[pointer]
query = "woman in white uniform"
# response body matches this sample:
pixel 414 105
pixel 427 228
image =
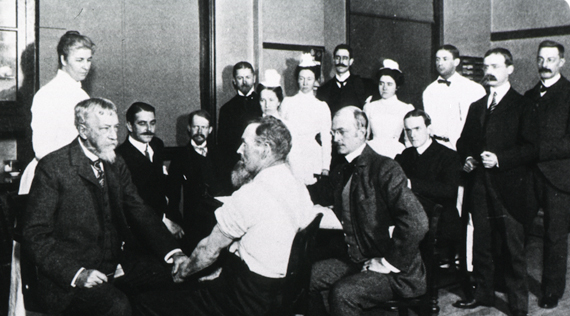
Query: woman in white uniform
pixel 309 120
pixel 53 108
pixel 386 116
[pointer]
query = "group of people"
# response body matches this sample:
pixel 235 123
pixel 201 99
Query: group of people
pixel 109 226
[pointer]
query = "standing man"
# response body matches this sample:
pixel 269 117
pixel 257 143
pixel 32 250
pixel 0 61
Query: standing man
pixel 236 113
pixel 258 223
pixel 143 154
pixel 196 170
pixel 383 224
pixel 346 88
pixel 551 96
pixel 82 205
pixel 433 171
pixel 448 98
pixel 497 147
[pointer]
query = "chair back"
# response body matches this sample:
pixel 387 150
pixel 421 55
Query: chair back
pixel 298 275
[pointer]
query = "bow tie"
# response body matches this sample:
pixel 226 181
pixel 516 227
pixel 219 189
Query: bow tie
pixel 543 88
pixel 447 82
pixel 340 83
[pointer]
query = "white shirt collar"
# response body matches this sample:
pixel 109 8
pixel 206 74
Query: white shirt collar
pixel 203 146
pixel 549 82
pixel 246 95
pixel 141 146
pixel 343 76
pixel 425 146
pixel 452 78
pixel 501 91
pixel 351 156
pixel 87 152
pixel 67 78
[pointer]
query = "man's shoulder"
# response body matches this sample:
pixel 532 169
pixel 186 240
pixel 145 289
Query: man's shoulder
pixel 157 144
pixel 229 104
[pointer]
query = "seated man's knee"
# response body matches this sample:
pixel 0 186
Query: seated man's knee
pixel 120 306
pixel 342 294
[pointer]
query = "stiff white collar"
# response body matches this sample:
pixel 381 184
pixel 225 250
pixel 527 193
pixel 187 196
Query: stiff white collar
pixel 357 152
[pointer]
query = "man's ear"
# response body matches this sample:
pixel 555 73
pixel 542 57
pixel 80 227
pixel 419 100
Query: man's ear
pixel 82 131
pixel 62 59
pixel 210 131
pixel 130 127
pixel 350 62
pixel 456 62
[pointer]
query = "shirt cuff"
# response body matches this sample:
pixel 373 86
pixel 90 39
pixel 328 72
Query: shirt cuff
pixel 168 257
pixel 390 267
pixel 76 276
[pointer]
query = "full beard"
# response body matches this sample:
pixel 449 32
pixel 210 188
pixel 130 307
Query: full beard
pixel 107 155
pixel 240 175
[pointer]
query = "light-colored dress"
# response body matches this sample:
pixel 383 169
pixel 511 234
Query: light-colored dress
pixel 386 117
pixel 53 120
pixel 307 117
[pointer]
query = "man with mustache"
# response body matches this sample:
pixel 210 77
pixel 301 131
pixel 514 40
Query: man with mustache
pixel 143 154
pixel 497 146
pixel 448 98
pixel 196 170
pixel 81 207
pixel 346 88
pixel 551 97
pixel 236 113
pixel 257 224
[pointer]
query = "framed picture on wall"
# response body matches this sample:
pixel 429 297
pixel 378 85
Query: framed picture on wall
pixel 285 58
pixel 8 65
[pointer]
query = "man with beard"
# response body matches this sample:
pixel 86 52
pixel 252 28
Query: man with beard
pixel 143 154
pixel 82 205
pixel 551 96
pixel 196 169
pixel 236 114
pixel 346 88
pixel 258 223
pixel 497 147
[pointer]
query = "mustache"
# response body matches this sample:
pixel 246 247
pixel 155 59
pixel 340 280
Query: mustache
pixel 488 78
pixel 340 64
pixel 148 133
pixel 544 70
pixel 199 135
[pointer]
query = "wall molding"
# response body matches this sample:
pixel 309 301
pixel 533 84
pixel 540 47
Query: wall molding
pixel 530 33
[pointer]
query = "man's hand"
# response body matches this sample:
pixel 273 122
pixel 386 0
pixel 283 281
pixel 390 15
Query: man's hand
pixel 470 164
pixel 211 276
pixel 174 228
pixel 375 265
pixel 90 278
pixel 180 263
pixel 490 160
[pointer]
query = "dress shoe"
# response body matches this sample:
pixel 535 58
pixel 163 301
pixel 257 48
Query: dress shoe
pixel 469 304
pixel 548 301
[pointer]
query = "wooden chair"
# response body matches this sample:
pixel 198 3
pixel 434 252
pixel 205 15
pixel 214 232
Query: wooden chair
pixel 426 304
pixel 298 275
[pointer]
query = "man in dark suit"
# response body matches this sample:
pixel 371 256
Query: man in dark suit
pixel 433 172
pixel 143 154
pixel 82 205
pixel 551 96
pixel 236 113
pixel 497 145
pixel 196 169
pixel 383 224
pixel 346 88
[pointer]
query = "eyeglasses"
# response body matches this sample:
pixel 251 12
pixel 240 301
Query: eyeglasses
pixel 199 128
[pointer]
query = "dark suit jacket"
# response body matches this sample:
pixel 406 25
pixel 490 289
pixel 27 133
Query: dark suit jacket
pixel 510 133
pixel 233 119
pixel 355 92
pixel 199 177
pixel 380 198
pixel 553 114
pixel 148 176
pixel 62 224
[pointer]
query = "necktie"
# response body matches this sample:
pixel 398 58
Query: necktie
pixel 543 88
pixel 348 169
pixel 98 165
pixel 493 103
pixel 340 83
pixel 443 81
pixel 201 151
pixel 147 154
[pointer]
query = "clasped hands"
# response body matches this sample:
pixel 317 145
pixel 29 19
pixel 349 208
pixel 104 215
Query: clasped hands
pixel 375 264
pixel 488 159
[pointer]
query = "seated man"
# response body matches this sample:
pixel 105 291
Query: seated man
pixel 82 206
pixel 197 170
pixel 433 171
pixel 383 224
pixel 143 154
pixel 258 223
